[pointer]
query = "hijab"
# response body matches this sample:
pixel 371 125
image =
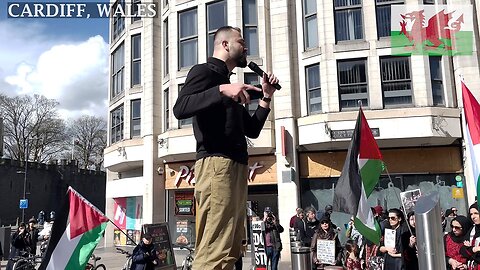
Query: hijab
pixel 476 227
pixel 466 225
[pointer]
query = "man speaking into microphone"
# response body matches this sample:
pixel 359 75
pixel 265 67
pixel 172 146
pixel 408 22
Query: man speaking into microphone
pixel 220 124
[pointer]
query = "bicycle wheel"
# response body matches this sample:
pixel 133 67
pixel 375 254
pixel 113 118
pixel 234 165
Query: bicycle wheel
pixel 187 264
pixel 21 264
pixel 101 267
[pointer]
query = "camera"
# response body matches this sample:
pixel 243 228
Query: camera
pixel 270 217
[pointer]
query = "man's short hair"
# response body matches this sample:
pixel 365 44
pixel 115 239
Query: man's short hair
pixel 310 209
pixel 225 29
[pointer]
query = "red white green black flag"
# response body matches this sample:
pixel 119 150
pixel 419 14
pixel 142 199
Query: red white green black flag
pixel 75 234
pixel 360 175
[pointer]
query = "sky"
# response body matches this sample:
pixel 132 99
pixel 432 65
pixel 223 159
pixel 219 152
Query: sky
pixel 65 59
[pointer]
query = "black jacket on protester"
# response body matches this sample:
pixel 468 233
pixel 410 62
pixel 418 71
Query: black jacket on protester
pixel 274 229
pixel 143 257
pixel 219 123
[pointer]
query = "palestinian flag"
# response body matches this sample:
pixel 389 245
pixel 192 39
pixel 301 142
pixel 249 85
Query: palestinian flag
pixel 75 234
pixel 471 110
pixel 360 174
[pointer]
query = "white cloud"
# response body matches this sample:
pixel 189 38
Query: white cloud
pixel 75 74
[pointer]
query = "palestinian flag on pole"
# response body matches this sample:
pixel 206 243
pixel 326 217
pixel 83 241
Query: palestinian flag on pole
pixel 75 234
pixel 471 110
pixel 359 177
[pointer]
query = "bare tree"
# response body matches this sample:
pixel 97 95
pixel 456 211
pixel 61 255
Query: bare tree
pixel 32 122
pixel 89 137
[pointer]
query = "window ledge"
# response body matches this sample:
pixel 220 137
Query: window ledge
pixel 312 52
pixel 118 39
pixel 117 98
pixel 136 24
pixel 183 72
pixel 384 42
pixel 136 89
pixel 351 45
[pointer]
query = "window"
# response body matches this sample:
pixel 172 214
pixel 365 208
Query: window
pixel 310 24
pixel 250 26
pixel 188 24
pixel 437 80
pixel 216 18
pixel 135 11
pixel 183 122
pixel 429 2
pixel 166 47
pixel 396 81
pixel 136 60
pixel 118 20
pixel 312 74
pixel 118 65
pixel 166 109
pixel 384 9
pixel 252 79
pixel 352 83
pixel 117 124
pixel 165 3
pixel 348 20
pixel 135 120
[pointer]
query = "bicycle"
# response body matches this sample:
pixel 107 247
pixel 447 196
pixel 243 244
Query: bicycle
pixel 128 255
pixel 188 261
pixel 26 261
pixel 94 266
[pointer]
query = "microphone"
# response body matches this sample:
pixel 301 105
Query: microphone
pixel 255 68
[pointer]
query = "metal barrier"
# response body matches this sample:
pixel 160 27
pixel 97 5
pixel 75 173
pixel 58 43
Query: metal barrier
pixel 431 253
pixel 301 258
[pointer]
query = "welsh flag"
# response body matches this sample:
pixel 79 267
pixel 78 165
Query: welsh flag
pixel 360 175
pixel 432 29
pixel 471 111
pixel 75 234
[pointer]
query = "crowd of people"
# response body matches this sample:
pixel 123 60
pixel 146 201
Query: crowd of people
pixel 461 239
pixel 25 239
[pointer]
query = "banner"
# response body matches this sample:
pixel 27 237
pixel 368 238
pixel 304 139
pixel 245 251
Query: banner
pixel 128 213
pixel 326 251
pixel 259 245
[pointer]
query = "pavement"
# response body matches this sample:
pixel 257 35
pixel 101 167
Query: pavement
pixel 113 260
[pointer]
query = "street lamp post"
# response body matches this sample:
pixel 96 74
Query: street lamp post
pixel 25 179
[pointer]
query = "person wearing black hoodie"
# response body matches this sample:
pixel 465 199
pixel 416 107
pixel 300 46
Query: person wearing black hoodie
pixel 471 247
pixel 410 243
pixel 453 242
pixel 144 254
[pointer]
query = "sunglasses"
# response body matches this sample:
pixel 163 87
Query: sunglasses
pixel 457 227
pixel 393 218
pixel 324 222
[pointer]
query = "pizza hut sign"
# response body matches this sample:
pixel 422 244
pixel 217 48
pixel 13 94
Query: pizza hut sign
pixel 187 174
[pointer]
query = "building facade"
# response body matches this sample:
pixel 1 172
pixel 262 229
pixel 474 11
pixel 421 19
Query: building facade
pixel 328 55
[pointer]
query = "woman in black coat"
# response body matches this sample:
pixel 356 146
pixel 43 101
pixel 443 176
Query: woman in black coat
pixel 144 255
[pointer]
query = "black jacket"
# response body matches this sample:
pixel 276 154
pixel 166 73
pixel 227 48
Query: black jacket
pixel 143 257
pixel 274 229
pixel 219 123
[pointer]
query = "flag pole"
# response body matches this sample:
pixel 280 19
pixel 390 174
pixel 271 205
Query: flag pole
pixel 128 237
pixel 399 200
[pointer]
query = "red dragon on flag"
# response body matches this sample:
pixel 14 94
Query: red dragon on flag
pixel 439 28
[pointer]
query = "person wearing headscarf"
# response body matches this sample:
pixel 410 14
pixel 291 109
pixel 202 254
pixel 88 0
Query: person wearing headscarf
pixel 471 247
pixel 409 241
pixel 324 231
pixel 453 242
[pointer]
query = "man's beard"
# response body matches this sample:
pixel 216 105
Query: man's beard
pixel 241 61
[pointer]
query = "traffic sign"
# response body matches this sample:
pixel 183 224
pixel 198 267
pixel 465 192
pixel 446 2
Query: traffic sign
pixel 23 203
